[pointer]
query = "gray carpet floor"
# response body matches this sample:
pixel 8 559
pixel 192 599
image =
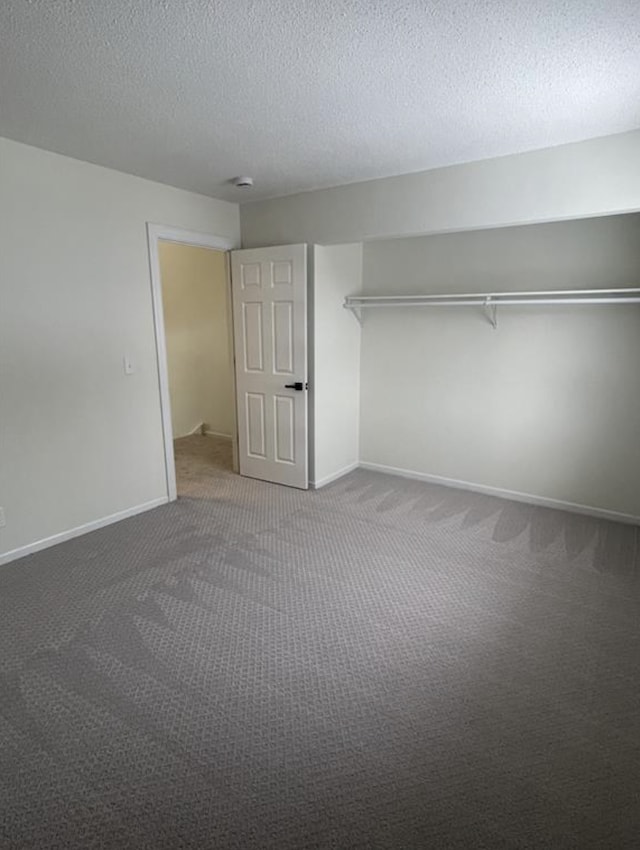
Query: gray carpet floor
pixel 379 664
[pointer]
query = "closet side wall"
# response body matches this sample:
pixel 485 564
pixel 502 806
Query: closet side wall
pixel 335 380
pixel 547 405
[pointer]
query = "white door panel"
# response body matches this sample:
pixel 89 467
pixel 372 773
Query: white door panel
pixel 269 288
pixel 252 324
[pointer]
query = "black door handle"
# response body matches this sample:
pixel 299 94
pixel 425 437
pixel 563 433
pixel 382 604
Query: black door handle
pixel 298 386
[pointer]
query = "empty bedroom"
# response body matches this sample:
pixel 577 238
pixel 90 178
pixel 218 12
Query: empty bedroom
pixel 319 419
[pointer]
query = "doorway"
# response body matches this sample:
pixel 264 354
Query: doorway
pixel 192 311
pixel 266 330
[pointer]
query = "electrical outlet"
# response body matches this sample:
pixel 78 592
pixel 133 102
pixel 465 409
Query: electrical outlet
pixel 3 521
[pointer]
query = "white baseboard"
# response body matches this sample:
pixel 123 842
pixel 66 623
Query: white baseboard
pixel 328 479
pixel 46 542
pixel 207 432
pixel 513 495
pixel 218 434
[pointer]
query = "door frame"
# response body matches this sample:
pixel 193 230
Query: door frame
pixel 157 233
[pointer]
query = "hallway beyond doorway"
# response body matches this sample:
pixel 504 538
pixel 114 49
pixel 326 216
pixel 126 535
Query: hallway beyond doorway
pixel 201 461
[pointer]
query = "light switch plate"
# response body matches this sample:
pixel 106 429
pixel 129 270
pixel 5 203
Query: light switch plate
pixel 127 364
pixel 3 522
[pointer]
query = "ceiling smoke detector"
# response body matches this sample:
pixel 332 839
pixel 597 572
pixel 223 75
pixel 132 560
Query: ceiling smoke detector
pixel 242 182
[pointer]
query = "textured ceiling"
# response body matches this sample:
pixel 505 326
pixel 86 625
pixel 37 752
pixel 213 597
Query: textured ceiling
pixel 315 92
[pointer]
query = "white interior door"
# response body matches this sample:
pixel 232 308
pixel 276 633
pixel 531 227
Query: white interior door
pixel 269 287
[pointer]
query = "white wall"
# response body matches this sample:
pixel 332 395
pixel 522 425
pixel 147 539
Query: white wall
pixel 549 404
pixel 335 341
pixel 79 440
pixel 196 320
pixel 597 177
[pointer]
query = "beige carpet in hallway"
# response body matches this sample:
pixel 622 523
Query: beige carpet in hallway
pixel 201 461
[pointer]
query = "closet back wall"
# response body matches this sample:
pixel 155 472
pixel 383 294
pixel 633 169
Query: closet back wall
pixel 547 405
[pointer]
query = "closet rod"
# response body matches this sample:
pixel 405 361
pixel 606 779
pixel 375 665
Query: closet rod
pixel 566 296
pixel 490 301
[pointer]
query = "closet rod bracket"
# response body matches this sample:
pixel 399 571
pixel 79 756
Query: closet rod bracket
pixel 355 311
pixel 491 312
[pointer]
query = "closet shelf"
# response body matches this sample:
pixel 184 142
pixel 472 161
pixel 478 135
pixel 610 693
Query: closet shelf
pixel 490 301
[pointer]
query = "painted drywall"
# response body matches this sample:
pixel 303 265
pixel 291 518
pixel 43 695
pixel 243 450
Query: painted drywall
pixel 592 178
pixel 79 439
pixel 546 405
pixel 335 339
pixel 196 321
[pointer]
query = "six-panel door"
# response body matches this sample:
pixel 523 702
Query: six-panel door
pixel 269 287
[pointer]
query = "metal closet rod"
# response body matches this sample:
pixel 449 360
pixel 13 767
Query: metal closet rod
pixel 566 296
